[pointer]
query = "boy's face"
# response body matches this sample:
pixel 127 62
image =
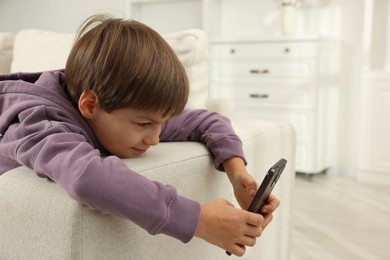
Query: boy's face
pixel 126 132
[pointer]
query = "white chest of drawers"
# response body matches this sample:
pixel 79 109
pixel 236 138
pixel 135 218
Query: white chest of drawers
pixel 291 80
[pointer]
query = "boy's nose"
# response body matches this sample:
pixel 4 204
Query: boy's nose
pixel 152 139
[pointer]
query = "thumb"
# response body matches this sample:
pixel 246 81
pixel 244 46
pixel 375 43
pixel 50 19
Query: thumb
pixel 251 191
pixel 250 185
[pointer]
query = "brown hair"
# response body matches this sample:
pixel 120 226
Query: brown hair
pixel 127 64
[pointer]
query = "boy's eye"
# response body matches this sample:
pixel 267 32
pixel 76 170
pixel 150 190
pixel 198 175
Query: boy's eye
pixel 143 124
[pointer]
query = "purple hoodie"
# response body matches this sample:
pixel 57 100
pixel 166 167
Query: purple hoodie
pixel 41 128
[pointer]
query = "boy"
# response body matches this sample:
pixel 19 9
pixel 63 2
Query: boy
pixel 122 91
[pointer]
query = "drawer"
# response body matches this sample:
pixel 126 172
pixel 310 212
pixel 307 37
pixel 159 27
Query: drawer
pixel 289 98
pixel 258 70
pixel 263 50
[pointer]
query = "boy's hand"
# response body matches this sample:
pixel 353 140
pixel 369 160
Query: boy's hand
pixel 244 185
pixel 233 229
pixel 245 188
pixel 229 228
pixel 268 209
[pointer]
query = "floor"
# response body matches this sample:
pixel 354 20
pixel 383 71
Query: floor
pixel 337 217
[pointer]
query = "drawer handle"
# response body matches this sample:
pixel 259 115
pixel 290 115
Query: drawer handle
pixel 260 96
pixel 257 71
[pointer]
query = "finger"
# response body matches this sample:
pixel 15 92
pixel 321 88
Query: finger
pixel 250 188
pixel 251 191
pixel 254 219
pixel 274 201
pixel 267 219
pixel 272 204
pixel 253 232
pixel 237 249
pixel 249 182
pixel 248 241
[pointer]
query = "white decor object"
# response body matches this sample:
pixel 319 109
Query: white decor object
pixel 289 13
pixel 289 20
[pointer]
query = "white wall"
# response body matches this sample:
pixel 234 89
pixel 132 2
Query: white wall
pixel 378 58
pixel 166 17
pixel 55 15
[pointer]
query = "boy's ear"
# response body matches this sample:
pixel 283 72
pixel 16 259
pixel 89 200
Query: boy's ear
pixel 88 104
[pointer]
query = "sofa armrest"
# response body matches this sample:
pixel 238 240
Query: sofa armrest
pixel 40 221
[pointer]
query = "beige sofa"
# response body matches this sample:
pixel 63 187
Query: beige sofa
pixel 39 221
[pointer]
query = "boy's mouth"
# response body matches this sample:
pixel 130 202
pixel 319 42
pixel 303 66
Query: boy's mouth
pixel 139 151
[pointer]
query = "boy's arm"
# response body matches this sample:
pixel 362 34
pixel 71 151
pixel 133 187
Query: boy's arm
pixel 105 184
pixel 244 185
pixel 216 132
pixel 212 129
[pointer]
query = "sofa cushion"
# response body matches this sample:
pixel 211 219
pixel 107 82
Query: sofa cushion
pixel 36 50
pixel 191 46
pixel 6 45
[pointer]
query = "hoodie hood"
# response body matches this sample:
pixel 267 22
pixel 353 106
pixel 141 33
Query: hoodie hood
pixel 29 96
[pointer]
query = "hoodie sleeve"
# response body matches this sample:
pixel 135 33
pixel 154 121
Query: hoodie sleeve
pixel 212 129
pixel 51 149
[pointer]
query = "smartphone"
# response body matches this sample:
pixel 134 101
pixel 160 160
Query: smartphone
pixel 266 186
